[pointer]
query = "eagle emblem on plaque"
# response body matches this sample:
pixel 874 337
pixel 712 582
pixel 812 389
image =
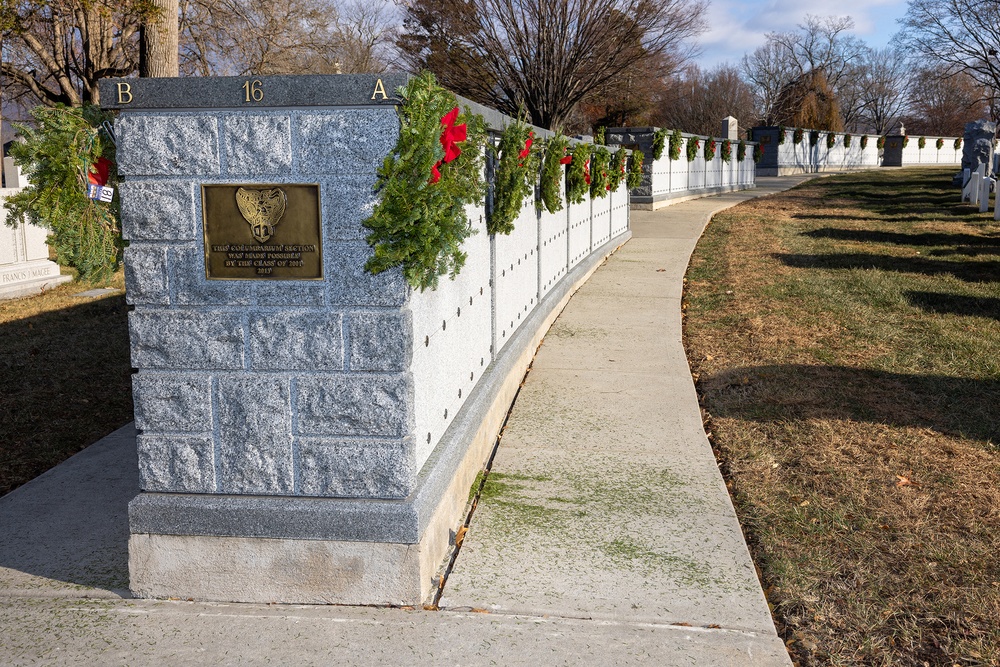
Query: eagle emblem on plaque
pixel 262 210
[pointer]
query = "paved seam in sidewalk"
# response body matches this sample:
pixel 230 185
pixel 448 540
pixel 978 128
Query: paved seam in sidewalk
pixel 604 535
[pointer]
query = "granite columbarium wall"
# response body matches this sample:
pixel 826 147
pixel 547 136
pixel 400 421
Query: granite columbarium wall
pixel 312 438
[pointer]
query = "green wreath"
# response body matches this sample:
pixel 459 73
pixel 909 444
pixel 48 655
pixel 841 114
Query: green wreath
pixel 709 149
pixel 741 151
pixel 600 162
pixel 781 134
pixel 921 142
pixel 675 144
pixel 864 141
pixel 578 176
pixel 831 140
pixel 553 174
pixel 847 141
pixel 659 141
pixel 797 135
pixel 419 225
pixel 616 172
pixel 634 177
pixel 958 143
pixel 758 153
pixel 692 148
pixel 515 177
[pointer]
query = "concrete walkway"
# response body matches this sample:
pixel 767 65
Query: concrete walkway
pixel 605 534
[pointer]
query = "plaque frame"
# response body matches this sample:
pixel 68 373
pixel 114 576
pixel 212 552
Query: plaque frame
pixel 230 228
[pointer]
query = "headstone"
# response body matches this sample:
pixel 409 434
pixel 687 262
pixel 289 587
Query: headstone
pixel 25 268
pixel 971 192
pixel 730 128
pixel 985 186
pixel 977 145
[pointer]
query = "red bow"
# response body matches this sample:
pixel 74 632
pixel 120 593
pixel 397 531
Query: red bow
pixel 450 136
pixel 527 146
pixel 566 159
pixel 586 171
pixel 98 174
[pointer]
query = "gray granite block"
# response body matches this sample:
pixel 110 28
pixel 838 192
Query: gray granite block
pixel 380 341
pixel 192 288
pixel 296 340
pixel 172 402
pixel 258 144
pixel 347 201
pixel 255 435
pixel 146 274
pixel 352 285
pixel 346 141
pixel 182 339
pixel 179 464
pixel 162 210
pixel 364 405
pixel 167 145
pixel 288 293
pixel 356 469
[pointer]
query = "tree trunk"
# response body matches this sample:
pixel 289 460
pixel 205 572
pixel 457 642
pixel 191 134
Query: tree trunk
pixel 158 41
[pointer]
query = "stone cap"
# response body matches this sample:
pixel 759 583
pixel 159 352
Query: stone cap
pixel 253 92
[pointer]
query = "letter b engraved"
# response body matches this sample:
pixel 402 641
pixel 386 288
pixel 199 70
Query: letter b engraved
pixel 124 93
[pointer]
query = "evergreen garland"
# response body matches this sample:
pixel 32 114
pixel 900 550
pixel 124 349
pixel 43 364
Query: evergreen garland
pixel 553 174
pixel 727 150
pixel 599 136
pixel 634 177
pixel 578 176
pixel 781 134
pixel 864 141
pixel 599 165
pixel 847 141
pixel 419 225
pixel 659 141
pixel 616 172
pixel 921 142
pixel 514 177
pixel 798 135
pixel 56 156
pixel 831 140
pixel 939 143
pixel 692 148
pixel 758 153
pixel 709 149
pixel 741 151
pixel 958 143
pixel 880 143
pixel 675 144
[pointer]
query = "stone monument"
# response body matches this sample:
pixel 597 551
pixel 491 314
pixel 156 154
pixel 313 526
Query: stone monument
pixel 977 145
pixel 730 129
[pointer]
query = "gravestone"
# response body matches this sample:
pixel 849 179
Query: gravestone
pixel 977 145
pixel 25 268
pixel 730 129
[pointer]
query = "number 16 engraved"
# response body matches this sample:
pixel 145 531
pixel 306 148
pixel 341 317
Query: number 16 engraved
pixel 254 91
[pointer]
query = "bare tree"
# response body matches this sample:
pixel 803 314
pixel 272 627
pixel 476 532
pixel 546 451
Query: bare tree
pixel 883 79
pixel 239 37
pixel 819 44
pixel 960 36
pixel 698 100
pixel 56 51
pixel 942 103
pixel 542 56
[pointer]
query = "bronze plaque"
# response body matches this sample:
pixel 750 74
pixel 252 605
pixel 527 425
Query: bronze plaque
pixel 262 232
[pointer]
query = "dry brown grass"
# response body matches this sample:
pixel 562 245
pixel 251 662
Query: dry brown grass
pixel 845 340
pixel 64 378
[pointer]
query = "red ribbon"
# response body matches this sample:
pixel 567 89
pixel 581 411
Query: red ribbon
pixel 98 174
pixel 586 171
pixel 450 136
pixel 527 146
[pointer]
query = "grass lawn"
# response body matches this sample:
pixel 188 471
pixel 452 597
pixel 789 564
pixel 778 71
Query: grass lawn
pixel 65 378
pixel 845 338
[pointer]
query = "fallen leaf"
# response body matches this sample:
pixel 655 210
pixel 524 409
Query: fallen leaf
pixel 660 270
pixel 480 611
pixel 905 481
pixel 460 536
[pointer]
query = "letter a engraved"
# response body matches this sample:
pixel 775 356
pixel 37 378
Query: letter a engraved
pixel 379 90
pixel 124 93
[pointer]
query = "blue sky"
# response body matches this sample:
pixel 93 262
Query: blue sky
pixel 739 26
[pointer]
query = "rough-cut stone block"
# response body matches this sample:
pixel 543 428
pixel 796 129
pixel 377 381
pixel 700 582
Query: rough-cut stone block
pixel 161 210
pixel 167 145
pixel 257 144
pixel 356 469
pixel 180 339
pixel 255 435
pixel 296 340
pixel 178 464
pixel 347 201
pixel 288 293
pixel 347 141
pixel 172 402
pixel 380 341
pixel 366 405
pixel 352 285
pixel 146 275
pixel 192 288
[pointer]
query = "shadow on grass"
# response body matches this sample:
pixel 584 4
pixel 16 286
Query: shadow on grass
pixel 953 406
pixel 976 272
pixel 953 304
pixel 923 239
